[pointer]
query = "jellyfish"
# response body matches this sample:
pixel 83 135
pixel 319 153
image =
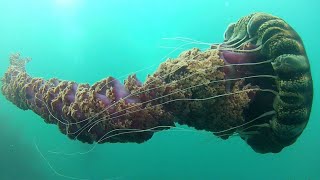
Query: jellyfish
pixel 255 84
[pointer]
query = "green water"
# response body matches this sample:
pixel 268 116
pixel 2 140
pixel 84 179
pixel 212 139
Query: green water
pixel 86 41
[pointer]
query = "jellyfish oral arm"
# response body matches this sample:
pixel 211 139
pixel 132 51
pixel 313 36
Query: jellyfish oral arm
pixel 237 57
pixel 172 94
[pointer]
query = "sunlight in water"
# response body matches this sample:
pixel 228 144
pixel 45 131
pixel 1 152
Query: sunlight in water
pixel 66 3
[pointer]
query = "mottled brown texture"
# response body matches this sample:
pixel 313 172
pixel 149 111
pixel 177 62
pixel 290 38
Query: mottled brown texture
pixel 47 97
pixel 176 92
pixel 203 71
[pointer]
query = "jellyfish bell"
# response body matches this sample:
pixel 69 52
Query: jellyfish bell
pixel 264 38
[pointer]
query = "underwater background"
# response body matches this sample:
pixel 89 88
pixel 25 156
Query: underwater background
pixel 86 41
